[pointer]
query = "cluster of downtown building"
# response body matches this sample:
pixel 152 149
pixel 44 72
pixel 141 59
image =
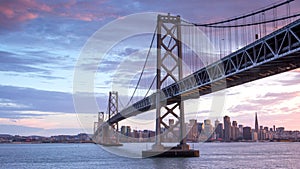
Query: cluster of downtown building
pixel 205 132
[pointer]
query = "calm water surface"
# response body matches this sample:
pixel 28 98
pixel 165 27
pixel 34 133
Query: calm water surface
pixel 212 155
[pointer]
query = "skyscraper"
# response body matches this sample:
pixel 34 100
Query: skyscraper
pixel 256 123
pixel 208 128
pixel 247 135
pixel 216 123
pixel 219 131
pixel 240 132
pixel 192 130
pixel 227 128
pixel 234 130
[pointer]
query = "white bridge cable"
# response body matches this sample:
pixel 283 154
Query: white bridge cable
pixel 140 77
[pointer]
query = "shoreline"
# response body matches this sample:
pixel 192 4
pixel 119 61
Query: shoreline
pixel 86 142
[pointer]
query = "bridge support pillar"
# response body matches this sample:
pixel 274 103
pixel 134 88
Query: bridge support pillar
pixel 169 47
pixel 108 135
pixel 110 132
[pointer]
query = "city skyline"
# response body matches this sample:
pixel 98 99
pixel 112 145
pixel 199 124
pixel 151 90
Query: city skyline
pixel 220 122
pixel 125 131
pixel 204 131
pixel 41 42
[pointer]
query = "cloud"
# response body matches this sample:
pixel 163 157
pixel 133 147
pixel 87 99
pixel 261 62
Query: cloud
pixel 275 107
pixel 13 115
pixel 15 63
pixel 93 10
pixel 42 62
pixel 18 11
pixel 295 79
pixel 14 13
pixel 28 99
pixel 28 131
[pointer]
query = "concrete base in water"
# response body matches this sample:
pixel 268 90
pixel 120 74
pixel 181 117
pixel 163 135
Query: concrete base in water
pixel 171 152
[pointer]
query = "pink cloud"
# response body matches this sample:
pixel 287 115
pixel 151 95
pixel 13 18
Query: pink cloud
pixel 9 13
pixel 84 11
pixel 15 12
pixel 83 17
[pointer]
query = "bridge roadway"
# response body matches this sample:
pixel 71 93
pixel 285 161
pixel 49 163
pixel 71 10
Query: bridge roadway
pixel 273 54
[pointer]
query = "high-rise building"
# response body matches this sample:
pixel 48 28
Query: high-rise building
pixel 260 134
pixel 256 123
pixel 247 135
pixel 216 123
pixel 200 127
pixel 126 131
pixel 234 130
pixel 219 131
pixel 266 128
pixel 123 130
pixel 192 130
pixel 254 136
pixel 240 131
pixel 227 128
pixel 208 128
pixel 280 129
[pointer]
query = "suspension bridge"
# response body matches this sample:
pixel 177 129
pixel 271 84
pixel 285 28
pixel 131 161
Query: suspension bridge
pixel 238 50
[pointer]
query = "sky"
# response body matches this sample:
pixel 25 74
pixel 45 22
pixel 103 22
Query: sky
pixel 43 43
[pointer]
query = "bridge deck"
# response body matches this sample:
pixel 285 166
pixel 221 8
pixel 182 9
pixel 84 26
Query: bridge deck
pixel 275 53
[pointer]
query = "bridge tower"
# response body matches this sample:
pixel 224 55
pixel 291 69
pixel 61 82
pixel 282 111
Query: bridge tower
pixel 113 107
pixel 99 122
pixel 169 47
pixel 108 135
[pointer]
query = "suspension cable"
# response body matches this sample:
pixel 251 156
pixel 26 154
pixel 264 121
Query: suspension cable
pixel 143 67
pixel 150 86
pixel 153 80
pixel 121 103
pixel 244 16
pixel 243 25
